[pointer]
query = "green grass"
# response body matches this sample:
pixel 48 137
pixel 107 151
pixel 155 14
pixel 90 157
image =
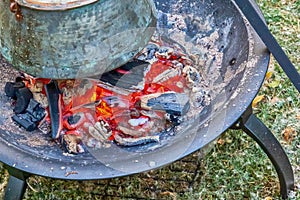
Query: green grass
pixel 236 167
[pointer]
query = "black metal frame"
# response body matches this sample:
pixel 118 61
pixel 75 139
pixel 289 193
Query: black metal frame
pixel 258 131
pixel 17 184
pixel 248 122
pixel 258 24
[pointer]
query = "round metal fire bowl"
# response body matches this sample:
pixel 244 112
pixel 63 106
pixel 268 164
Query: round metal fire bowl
pixel 73 40
pixel 234 84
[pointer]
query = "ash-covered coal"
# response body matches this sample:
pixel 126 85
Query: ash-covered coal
pixel 170 102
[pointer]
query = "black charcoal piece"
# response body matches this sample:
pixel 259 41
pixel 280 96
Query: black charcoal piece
pixel 53 92
pixel 127 76
pixel 35 109
pixel 25 120
pixel 172 103
pixel 29 119
pixel 73 119
pixel 12 87
pixel 10 90
pixel 32 106
pixel 176 120
pixel 19 79
pixel 23 96
pixel 123 141
pixel 113 101
pixel 19 84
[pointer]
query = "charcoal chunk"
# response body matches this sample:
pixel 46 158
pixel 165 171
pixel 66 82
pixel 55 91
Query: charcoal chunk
pixel 30 118
pixel 175 120
pixel 127 76
pixel 128 141
pixel 35 109
pixel 19 79
pixel 73 119
pixel 23 96
pixel 172 103
pixel 53 96
pixel 25 120
pixel 11 88
pixel 32 106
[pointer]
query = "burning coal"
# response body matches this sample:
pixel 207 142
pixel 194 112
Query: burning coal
pixel 128 106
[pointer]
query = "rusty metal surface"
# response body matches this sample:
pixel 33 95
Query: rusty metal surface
pixel 76 43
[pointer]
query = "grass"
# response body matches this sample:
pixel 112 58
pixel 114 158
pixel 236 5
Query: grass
pixel 236 167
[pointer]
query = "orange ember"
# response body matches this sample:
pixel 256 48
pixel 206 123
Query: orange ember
pixel 91 102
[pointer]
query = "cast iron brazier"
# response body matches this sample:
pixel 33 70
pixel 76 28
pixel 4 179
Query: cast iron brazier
pixel 234 81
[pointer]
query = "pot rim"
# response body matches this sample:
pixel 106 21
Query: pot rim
pixel 52 5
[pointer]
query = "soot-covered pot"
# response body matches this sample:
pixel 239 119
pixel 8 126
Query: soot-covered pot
pixel 65 39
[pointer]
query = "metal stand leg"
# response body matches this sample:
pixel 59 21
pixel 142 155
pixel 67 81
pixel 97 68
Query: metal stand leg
pixel 17 185
pixel 264 137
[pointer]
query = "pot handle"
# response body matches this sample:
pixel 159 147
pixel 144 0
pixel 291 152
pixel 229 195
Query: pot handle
pixel 15 8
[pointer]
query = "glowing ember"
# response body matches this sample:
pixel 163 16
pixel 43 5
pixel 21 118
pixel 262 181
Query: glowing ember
pixel 130 105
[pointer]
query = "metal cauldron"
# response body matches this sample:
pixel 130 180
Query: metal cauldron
pixel 74 38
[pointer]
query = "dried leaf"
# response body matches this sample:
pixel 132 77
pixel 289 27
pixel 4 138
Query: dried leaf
pixel 229 141
pixel 170 194
pixel 257 100
pixel 221 142
pixel 70 173
pixel 289 134
pixel 268 198
pixel 274 84
pixel 269 75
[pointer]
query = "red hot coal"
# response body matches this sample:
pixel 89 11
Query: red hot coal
pixel 129 106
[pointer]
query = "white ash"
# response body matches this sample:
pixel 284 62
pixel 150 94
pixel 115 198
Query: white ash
pixel 128 141
pixel 96 144
pixel 170 73
pixel 93 143
pixel 44 127
pixel 192 76
pixel 149 113
pixel 137 121
pixel 149 128
pixel 202 47
pixel 73 144
pixel 100 131
pixel 98 135
pixel 127 130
